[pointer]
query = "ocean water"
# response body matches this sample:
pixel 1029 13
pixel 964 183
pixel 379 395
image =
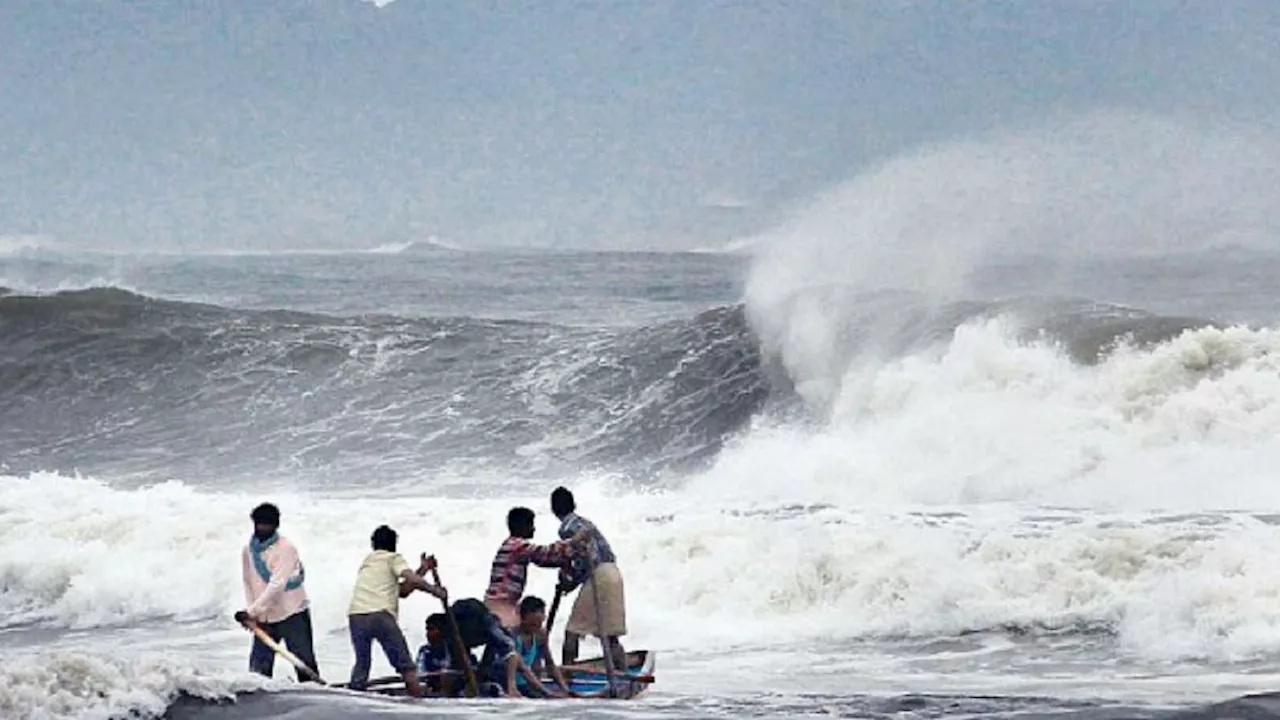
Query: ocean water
pixel 1049 491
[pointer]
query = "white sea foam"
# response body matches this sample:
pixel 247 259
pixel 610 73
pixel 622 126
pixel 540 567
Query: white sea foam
pixel 844 528
pixel 981 484
pixel 97 685
pixel 1108 184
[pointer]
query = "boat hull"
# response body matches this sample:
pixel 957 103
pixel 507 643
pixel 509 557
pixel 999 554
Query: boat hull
pixel 590 679
pixel 587 678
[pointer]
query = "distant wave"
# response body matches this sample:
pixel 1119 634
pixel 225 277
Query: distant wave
pixel 38 245
pixel 25 244
pixel 110 378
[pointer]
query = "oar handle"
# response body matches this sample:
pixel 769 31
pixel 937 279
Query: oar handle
pixel 555 605
pixel 280 650
pixel 459 647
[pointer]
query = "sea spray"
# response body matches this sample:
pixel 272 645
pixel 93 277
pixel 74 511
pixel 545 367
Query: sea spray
pixel 927 222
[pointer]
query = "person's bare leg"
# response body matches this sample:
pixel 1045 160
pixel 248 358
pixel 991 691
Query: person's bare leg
pixel 569 653
pixel 411 683
pixel 619 654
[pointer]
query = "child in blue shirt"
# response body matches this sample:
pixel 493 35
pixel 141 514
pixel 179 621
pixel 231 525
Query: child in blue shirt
pixel 435 661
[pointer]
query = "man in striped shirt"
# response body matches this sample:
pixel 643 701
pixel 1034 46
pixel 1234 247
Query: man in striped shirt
pixel 511 564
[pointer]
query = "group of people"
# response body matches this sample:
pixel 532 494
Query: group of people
pixel 510 626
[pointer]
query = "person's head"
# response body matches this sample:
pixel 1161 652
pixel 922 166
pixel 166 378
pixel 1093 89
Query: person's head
pixel 562 502
pixel 533 613
pixel 384 538
pixel 435 629
pixel 266 520
pixel 520 522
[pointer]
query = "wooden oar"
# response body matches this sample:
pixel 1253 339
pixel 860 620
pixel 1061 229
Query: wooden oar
pixel 459 647
pixel 280 650
pixel 399 679
pixel 379 681
pixel 551 616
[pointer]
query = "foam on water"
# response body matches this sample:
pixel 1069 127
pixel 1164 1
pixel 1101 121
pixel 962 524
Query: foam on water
pixel 1189 424
pixel 983 485
pixel 98 686
pixel 1110 184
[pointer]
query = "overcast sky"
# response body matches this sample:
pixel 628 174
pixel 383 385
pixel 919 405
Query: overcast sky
pixel 308 123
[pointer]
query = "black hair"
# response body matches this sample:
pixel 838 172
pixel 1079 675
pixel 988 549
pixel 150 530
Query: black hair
pixel 532 604
pixel 519 518
pixel 265 514
pixel 562 502
pixel 438 621
pixel 384 538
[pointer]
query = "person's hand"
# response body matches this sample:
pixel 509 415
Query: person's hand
pixel 429 562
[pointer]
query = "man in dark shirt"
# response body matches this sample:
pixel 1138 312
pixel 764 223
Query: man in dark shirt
pixel 595 570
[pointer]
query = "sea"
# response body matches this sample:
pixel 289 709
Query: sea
pixel 1048 489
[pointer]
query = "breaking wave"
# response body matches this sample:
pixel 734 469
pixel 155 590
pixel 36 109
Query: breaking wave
pixel 1076 477
pixel 106 378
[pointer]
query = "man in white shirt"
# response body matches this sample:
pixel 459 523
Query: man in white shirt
pixel 274 594
pixel 384 577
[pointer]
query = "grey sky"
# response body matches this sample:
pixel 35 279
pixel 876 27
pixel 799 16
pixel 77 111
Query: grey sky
pixel 308 123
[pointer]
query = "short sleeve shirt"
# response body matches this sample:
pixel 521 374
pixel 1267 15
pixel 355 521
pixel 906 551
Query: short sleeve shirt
pixel 378 584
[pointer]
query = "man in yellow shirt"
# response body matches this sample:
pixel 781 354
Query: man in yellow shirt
pixel 383 579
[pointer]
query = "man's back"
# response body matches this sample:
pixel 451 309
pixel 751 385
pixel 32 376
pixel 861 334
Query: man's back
pixel 377 585
pixel 280 594
pixel 598 550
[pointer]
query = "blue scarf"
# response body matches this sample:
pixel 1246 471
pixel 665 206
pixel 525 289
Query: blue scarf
pixel 256 547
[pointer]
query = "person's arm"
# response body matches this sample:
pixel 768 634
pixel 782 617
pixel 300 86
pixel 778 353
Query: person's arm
pixel 555 555
pixel 410 580
pixel 242 616
pixel 246 567
pixel 573 573
pixel 282 565
pixel 531 677
pixel 552 668
pixel 426 564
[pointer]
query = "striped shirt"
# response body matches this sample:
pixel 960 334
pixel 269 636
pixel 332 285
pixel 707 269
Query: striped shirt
pixel 510 566
pixel 598 549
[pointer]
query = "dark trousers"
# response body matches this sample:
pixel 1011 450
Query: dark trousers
pixel 295 632
pixel 383 627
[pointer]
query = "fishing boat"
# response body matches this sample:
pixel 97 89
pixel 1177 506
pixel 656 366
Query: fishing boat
pixel 587 678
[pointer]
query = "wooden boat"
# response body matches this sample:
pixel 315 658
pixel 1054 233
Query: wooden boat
pixel 587 678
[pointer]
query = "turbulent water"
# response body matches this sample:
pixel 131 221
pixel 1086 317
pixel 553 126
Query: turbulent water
pixel 1052 493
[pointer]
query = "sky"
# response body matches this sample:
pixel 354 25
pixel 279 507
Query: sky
pixel 189 124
